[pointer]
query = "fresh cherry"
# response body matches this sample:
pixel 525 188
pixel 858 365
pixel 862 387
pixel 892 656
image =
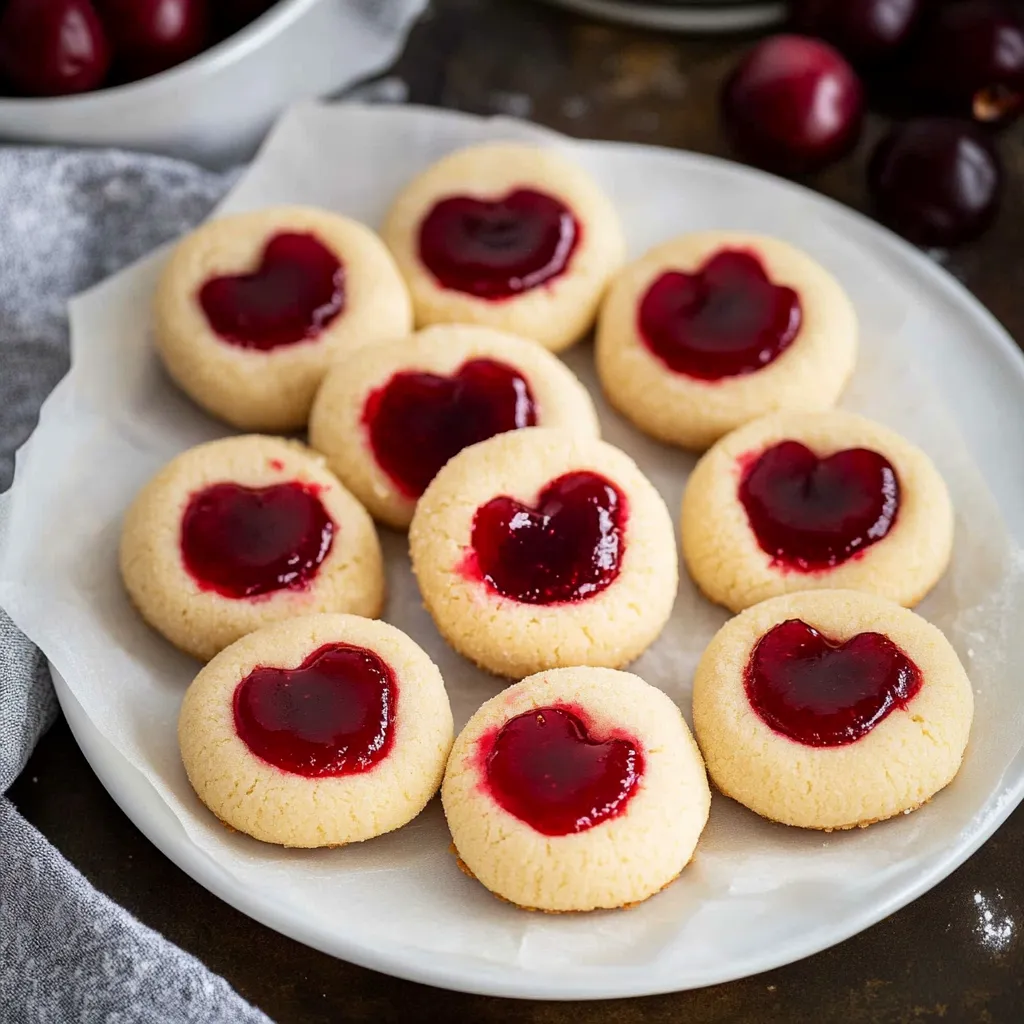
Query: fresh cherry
pixel 971 60
pixel 52 47
pixel 150 36
pixel 865 30
pixel 793 105
pixel 936 181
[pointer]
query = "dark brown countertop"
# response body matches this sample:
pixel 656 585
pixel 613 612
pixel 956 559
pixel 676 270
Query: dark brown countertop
pixel 954 955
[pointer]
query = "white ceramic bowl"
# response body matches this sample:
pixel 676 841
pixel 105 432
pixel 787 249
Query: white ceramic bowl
pixel 214 108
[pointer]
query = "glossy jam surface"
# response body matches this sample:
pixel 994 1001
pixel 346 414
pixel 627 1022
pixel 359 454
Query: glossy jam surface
pixel 295 292
pixel 546 769
pixel 498 248
pixel 245 542
pixel 333 715
pixel 567 547
pixel 418 421
pixel 826 694
pixel 724 320
pixel 813 513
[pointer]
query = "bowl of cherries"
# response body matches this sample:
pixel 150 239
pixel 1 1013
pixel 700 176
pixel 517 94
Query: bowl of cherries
pixel 949 74
pixel 201 79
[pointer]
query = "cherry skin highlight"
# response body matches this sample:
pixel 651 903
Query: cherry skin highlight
pixel 243 542
pixel 296 291
pixel 812 513
pixel 498 248
pixel 826 694
pixel 567 547
pixel 725 319
pixel 417 421
pixel 546 769
pixel 332 716
pixel 150 36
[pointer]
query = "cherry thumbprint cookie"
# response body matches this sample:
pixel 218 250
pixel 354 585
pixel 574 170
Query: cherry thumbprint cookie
pixel 713 329
pixel 393 414
pixel 235 534
pixel 576 789
pixel 815 500
pixel 319 731
pixel 829 709
pixel 252 309
pixel 541 549
pixel 510 236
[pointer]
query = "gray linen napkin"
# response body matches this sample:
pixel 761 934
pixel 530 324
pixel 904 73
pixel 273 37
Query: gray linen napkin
pixel 67 953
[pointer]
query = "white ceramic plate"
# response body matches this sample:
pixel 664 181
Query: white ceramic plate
pixel 758 895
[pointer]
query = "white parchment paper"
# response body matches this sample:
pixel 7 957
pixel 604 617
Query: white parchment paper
pixel 755 889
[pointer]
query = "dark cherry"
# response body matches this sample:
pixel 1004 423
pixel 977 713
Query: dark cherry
pixel 566 548
pixel 295 292
pixel 244 541
pixel 150 36
pixel 865 30
pixel 418 421
pixel 52 47
pixel 725 319
pixel 812 513
pixel 793 105
pixel 826 694
pixel 546 769
pixel 971 60
pixel 231 15
pixel 936 181
pixel 497 248
pixel 333 715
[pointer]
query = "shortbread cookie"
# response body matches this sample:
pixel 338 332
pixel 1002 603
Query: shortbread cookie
pixel 540 549
pixel 235 534
pixel 831 708
pixel 797 501
pixel 576 789
pixel 717 328
pixel 251 310
pixel 389 417
pixel 510 236
pixel 320 731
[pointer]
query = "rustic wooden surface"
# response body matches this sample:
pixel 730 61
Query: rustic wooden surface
pixel 953 955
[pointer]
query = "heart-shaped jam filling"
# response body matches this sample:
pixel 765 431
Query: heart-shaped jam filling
pixel 333 715
pixel 566 548
pixel 246 541
pixel 812 513
pixel 546 769
pixel 418 421
pixel 826 694
pixel 497 248
pixel 295 292
pixel 725 319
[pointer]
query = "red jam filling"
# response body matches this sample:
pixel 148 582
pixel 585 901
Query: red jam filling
pixel 723 320
pixel 247 541
pixel 418 421
pixel 826 694
pixel 333 715
pixel 546 769
pixel 568 547
pixel 812 513
pixel 497 248
pixel 295 292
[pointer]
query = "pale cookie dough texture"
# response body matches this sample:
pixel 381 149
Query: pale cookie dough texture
pixel 337 427
pixel 901 763
pixel 617 862
pixel 556 313
pixel 202 622
pixel 511 638
pixel 271 390
pixel 278 806
pixel 808 375
pixel 725 560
